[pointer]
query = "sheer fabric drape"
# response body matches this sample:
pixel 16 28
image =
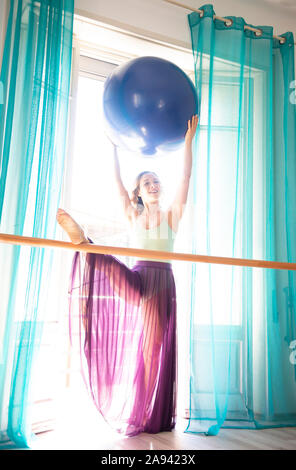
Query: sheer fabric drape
pixel 243 320
pixel 35 76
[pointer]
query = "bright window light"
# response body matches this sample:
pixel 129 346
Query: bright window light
pixel 90 195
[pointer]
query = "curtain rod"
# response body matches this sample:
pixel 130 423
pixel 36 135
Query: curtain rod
pixel 227 21
pixel 138 253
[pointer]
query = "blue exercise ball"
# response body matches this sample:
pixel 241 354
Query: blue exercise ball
pixel 147 103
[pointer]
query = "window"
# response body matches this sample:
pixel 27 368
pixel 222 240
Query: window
pixel 90 195
pixel 222 308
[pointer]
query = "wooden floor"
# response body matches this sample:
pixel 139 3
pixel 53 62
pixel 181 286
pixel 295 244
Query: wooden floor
pixel 82 427
pixel 227 439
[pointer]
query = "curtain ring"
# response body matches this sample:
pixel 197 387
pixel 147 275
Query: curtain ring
pixel 228 22
pixel 258 33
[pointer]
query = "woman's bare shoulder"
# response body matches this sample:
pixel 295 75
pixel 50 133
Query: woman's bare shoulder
pixel 172 220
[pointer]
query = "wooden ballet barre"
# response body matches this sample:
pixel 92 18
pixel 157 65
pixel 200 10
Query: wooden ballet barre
pixel 138 253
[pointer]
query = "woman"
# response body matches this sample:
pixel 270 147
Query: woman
pixel 129 315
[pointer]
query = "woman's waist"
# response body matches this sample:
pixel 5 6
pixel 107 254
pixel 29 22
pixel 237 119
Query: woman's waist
pixel 158 244
pixel 148 263
pixel 155 248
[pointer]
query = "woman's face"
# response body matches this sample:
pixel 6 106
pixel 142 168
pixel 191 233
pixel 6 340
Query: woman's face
pixel 150 188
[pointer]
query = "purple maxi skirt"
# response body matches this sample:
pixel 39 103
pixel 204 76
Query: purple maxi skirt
pixel 128 340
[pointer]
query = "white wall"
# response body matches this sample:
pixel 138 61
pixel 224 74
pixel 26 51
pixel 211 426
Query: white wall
pixel 4 10
pixel 169 22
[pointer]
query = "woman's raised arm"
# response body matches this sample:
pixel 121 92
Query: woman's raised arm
pixel 129 210
pixel 177 208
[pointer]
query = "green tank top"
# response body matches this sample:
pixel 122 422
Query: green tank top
pixel 160 238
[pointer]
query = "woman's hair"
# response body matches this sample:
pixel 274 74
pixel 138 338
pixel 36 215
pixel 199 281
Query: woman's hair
pixel 136 199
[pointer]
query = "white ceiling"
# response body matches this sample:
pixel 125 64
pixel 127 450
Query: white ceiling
pixel 288 5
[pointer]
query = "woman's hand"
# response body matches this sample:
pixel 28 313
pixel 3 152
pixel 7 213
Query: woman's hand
pixel 114 147
pixel 111 141
pixel 192 125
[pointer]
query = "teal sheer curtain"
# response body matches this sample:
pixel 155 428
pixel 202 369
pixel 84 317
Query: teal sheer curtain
pixel 243 320
pixel 35 79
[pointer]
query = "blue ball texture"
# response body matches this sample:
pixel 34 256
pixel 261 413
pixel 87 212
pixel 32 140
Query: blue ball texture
pixel 147 103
